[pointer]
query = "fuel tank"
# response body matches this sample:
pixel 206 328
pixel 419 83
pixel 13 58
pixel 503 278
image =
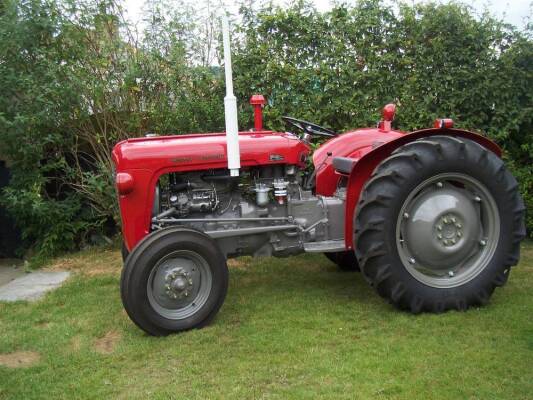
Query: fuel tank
pixel 353 144
pixel 208 151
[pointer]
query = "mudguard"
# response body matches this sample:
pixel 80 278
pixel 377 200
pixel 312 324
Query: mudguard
pixel 364 167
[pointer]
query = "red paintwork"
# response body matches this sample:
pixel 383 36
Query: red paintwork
pixel 354 144
pixel 443 123
pixel 124 182
pixel 140 162
pixel 366 165
pixel 258 102
pixel 388 112
pixel 146 159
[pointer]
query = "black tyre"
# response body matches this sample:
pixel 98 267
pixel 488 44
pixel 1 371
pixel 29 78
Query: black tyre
pixel 124 252
pixel 439 225
pixel 345 260
pixel 175 279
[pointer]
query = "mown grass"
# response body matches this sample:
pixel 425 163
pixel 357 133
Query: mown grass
pixel 289 329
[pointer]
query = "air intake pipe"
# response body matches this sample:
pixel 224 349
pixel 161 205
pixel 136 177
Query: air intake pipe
pixel 230 107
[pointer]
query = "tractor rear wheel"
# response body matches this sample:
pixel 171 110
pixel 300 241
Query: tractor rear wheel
pixel 439 225
pixel 175 279
pixel 345 260
pixel 124 252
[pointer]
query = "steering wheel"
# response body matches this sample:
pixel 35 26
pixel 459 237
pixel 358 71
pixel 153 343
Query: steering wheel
pixel 309 128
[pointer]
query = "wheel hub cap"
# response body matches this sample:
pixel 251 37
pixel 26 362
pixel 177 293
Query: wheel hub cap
pixel 449 229
pixel 179 284
pixel 443 228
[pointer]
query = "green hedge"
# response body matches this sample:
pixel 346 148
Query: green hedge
pixel 75 80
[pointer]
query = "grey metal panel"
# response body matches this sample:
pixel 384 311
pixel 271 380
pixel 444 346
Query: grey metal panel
pixel 325 246
pixel 248 231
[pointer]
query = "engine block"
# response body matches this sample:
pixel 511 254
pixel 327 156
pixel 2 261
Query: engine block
pixel 266 211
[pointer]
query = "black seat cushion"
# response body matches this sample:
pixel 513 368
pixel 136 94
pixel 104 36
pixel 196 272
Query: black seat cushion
pixel 344 164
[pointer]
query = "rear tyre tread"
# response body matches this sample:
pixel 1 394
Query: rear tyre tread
pixel 376 258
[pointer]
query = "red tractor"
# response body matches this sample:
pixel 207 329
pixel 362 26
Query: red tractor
pixel 432 218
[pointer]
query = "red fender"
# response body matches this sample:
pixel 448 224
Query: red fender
pixel 363 169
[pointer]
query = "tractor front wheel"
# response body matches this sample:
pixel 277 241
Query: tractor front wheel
pixel 439 225
pixel 175 279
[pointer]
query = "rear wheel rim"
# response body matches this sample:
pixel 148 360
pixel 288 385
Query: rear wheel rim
pixel 179 284
pixel 447 230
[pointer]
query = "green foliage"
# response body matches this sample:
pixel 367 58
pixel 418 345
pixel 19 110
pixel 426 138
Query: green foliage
pixel 76 79
pixel 432 60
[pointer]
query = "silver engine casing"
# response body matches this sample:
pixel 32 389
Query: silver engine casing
pixel 264 216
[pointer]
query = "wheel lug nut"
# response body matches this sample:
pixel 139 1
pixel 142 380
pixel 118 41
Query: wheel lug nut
pixel 445 220
pixel 439 236
pixel 459 234
pixel 453 241
pixel 454 220
pixel 405 215
pixel 451 274
pixel 458 226
pixel 439 184
pixel 439 227
pixel 477 199
pixel 483 242
pixel 412 261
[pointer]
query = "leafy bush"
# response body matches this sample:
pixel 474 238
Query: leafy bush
pixel 77 78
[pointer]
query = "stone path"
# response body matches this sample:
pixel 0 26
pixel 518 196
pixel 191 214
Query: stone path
pixel 16 284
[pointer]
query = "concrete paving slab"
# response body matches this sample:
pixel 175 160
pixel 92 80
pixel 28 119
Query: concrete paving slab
pixel 32 286
pixel 10 269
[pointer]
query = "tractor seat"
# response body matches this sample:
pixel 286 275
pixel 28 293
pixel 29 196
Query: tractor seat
pixel 344 165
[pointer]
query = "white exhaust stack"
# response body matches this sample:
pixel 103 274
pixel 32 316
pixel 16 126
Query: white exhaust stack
pixel 230 107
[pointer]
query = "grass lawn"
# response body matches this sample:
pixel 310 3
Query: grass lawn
pixel 290 328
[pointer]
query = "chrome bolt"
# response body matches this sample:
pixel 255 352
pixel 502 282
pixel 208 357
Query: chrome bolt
pixel 186 294
pixel 483 242
pixel 439 184
pixel 405 215
pixel 412 261
pixel 458 226
pixel 451 274
pixel 439 227
pixel 439 236
pixel 454 220
pixel 477 199
pixel 453 241
pixel 446 242
pixel 445 220
pixel 459 234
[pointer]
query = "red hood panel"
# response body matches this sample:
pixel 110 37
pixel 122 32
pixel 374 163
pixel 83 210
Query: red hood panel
pixel 207 151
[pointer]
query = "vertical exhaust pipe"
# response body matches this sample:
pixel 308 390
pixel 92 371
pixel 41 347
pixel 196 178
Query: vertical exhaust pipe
pixel 230 107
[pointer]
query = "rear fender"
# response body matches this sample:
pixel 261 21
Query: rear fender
pixel 363 169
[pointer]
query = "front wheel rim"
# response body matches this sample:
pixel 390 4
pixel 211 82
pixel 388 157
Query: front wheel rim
pixel 447 230
pixel 179 284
